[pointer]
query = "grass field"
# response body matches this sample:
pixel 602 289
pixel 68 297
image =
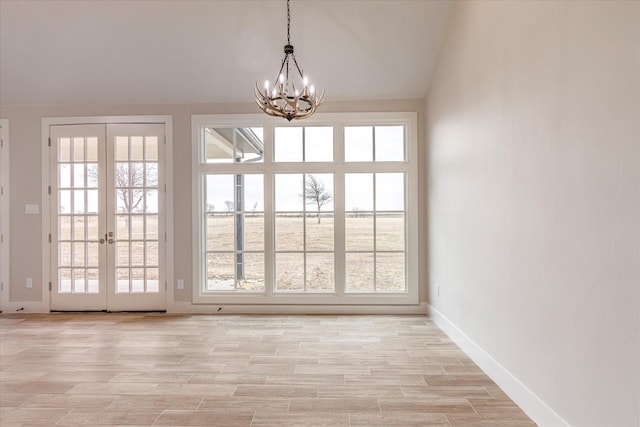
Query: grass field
pixel 302 245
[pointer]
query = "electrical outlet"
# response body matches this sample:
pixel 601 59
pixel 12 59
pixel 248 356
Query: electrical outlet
pixel 29 282
pixel 180 283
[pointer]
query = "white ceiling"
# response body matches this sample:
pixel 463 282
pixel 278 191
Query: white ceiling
pixel 150 52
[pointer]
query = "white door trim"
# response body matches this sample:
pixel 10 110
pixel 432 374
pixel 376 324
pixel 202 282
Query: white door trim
pixel 5 228
pixel 167 121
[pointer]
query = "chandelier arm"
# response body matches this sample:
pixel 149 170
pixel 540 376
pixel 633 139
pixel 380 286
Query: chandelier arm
pixel 297 66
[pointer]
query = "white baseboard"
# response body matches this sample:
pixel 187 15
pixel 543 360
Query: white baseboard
pixel 530 403
pixel 187 307
pixel 24 307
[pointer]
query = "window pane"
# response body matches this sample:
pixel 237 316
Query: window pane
pixel 122 280
pixel 122 254
pixel 137 150
pixel 318 144
pixel 359 272
pixel 389 143
pixel 152 276
pixel 64 227
pixel 318 192
pixel 151 148
pixel 319 232
pixel 253 191
pixel 78 254
pixel 358 144
pixel 220 193
pixel 137 227
pixel 122 175
pixel 218 145
pixel 253 278
pixel 320 272
pixel 151 222
pixel 151 201
pixel 92 228
pixel 390 192
pixel 92 149
pixel 358 192
pixel 78 228
pixel 64 150
pixel 289 196
pixel 289 232
pixel 220 233
pixel 78 149
pixel 253 232
pixel 288 144
pixel 359 231
pixel 249 145
pixel 390 272
pixel 92 201
pixel 64 254
pixel 122 148
pixel 64 175
pixel 64 204
pixel 390 232
pixel 92 175
pixel 64 280
pixel 78 175
pixel 220 274
pixel 290 272
pixel 151 254
pixel 78 201
pixel 137 280
pixel 93 254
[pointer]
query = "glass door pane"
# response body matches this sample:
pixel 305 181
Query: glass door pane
pixel 135 239
pixel 77 221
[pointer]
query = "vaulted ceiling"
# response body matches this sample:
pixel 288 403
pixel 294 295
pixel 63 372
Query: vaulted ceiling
pixel 186 51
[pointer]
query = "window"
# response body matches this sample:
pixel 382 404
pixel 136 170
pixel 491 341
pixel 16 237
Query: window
pixel 322 211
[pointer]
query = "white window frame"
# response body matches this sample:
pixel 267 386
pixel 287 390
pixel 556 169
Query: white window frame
pixel 269 168
pixel 5 225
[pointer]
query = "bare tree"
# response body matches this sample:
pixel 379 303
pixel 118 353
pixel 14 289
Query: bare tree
pixel 131 183
pixel 210 208
pixel 316 193
pixel 229 205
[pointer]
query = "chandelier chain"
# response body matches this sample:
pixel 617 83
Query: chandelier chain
pixel 288 23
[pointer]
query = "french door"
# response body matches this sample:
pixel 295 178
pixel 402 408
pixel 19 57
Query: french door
pixel 107 199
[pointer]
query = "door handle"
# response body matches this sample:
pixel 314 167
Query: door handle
pixel 111 241
pixel 102 241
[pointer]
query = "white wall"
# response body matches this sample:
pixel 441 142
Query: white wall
pixel 534 199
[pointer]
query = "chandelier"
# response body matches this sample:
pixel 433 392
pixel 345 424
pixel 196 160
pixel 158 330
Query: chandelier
pixel 291 96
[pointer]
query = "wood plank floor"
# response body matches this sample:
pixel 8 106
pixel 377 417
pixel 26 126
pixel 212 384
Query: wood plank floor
pixel 228 370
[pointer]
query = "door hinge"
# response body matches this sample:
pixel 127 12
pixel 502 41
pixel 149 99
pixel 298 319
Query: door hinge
pixel 49 141
pixel 49 190
pixel 49 286
pixel 1 238
pixel 165 285
pixel 49 237
pixel 1 191
pixel 165 237
pixel 1 143
pixel 165 188
pixel 2 287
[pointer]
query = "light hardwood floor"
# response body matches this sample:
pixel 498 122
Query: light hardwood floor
pixel 239 370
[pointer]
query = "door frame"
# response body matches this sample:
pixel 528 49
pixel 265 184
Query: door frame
pixel 5 228
pixel 47 122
